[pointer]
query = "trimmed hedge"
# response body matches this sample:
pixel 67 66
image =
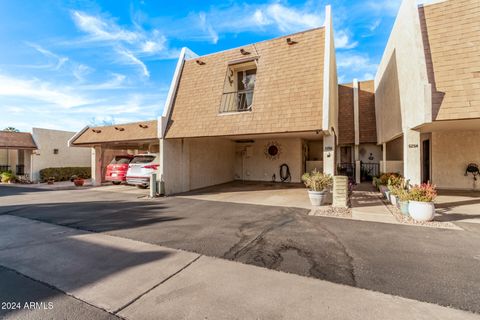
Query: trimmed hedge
pixel 64 174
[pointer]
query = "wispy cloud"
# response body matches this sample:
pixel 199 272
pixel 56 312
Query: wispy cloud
pixel 129 58
pixel 130 45
pixel 56 61
pixel 37 90
pixel 356 63
pixel 342 40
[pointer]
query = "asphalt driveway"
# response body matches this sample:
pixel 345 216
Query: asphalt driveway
pixel 433 265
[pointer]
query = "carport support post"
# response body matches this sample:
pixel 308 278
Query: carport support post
pixel 97 159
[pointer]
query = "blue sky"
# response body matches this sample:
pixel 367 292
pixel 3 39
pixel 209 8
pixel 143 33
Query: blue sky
pixel 67 64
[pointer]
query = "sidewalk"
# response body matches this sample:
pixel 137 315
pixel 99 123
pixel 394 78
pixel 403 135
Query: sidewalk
pixel 367 206
pixel 136 280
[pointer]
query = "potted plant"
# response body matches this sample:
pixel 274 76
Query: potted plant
pixel 50 180
pixel 402 202
pixel 317 184
pixel 394 184
pixel 77 180
pixel 420 205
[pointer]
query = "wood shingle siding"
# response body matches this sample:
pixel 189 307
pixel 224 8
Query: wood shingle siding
pixel 366 114
pixel 135 131
pixel 451 37
pixel 287 98
pixel 346 125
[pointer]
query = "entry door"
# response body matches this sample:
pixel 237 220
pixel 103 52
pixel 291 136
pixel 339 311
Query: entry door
pixel 426 161
pixel 346 154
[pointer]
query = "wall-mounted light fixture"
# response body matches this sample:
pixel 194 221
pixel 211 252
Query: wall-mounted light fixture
pixel 290 41
pixel 200 62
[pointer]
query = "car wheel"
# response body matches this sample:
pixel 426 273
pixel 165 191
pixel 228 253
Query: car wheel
pixel 116 182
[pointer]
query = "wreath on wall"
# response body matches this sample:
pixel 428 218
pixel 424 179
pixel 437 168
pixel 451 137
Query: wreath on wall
pixel 273 150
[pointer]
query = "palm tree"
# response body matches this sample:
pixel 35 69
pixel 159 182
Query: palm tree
pixel 11 129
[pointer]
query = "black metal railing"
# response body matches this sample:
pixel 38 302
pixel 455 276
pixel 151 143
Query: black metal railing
pixel 237 101
pixel 20 170
pixel 346 169
pixel 368 170
pixel 4 168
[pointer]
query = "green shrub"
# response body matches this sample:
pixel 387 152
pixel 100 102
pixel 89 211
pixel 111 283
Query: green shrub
pixel 64 174
pixel 8 176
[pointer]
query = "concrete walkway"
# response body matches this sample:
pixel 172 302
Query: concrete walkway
pixel 136 280
pixel 367 205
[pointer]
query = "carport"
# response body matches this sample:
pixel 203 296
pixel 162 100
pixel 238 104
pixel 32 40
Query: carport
pixel 120 139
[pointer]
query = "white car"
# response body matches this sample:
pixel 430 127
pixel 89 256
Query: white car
pixel 140 169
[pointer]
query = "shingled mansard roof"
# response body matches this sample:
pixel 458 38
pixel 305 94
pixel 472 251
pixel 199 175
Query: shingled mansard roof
pixel 135 131
pixel 16 140
pixel 288 94
pixel 451 37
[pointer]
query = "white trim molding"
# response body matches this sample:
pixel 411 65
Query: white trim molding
pixel 78 134
pixel 185 54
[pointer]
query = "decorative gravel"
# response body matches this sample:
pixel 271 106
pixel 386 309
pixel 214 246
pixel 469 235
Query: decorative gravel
pixel 329 211
pixel 408 220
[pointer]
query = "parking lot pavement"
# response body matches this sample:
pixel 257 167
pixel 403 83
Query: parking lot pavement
pixel 433 265
pixel 136 280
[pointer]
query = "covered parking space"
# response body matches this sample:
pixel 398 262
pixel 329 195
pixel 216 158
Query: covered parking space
pixel 107 142
pixel 193 163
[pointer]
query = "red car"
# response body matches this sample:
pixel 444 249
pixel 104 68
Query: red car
pixel 117 169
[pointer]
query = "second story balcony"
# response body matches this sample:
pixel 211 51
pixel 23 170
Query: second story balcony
pixel 237 101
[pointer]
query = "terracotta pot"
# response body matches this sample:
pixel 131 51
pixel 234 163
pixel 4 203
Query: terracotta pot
pixel 78 182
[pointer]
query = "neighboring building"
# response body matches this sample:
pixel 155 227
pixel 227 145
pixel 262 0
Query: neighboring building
pixel 26 154
pixel 107 141
pixel 427 93
pixel 242 113
pixel 16 152
pixel 358 153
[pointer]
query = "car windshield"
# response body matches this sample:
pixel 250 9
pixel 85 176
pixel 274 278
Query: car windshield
pixel 120 160
pixel 143 159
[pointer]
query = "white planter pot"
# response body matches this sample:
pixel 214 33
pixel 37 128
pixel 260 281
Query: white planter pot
pixel 387 195
pixel 421 211
pixel 383 189
pixel 393 199
pixel 317 198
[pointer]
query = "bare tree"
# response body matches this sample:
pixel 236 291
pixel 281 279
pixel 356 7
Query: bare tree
pixel 11 129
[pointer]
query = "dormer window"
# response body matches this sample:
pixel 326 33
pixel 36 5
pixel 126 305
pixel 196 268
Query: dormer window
pixel 239 87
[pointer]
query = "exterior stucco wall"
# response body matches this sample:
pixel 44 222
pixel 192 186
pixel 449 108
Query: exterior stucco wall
pixel 366 149
pixel 211 161
pixel 47 140
pixel 188 164
pixel 257 167
pixel 452 151
pixel 402 90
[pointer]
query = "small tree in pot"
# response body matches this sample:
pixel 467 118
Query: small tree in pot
pixel 420 205
pixel 317 183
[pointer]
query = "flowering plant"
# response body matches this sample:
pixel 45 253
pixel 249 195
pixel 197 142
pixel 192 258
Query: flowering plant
pixel 425 192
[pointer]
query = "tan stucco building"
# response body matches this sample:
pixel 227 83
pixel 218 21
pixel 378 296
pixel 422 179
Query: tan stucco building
pixel 25 154
pixel 427 92
pixel 242 113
